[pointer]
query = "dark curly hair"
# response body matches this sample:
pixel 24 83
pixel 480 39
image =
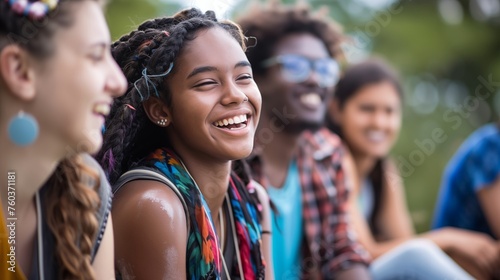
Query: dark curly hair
pixel 274 21
pixel 154 46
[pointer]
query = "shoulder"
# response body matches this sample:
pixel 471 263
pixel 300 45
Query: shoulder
pixel 484 139
pixel 259 190
pixel 476 163
pixel 92 163
pixel 150 226
pixel 480 151
pixel 324 136
pixel 149 205
pixel 488 130
pixel 265 205
pixel 322 144
pixel 104 190
pixel 147 197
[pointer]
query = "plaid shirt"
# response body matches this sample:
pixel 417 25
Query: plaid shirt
pixel 330 243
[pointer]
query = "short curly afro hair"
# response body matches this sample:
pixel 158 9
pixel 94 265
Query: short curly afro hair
pixel 271 22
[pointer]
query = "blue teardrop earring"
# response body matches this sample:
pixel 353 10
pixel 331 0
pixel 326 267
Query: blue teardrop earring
pixel 23 129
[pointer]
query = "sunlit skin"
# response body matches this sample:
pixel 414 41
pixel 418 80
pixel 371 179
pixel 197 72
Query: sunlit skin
pixel 211 81
pixel 210 88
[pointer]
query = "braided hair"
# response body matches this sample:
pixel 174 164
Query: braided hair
pixel 151 49
pixel 71 203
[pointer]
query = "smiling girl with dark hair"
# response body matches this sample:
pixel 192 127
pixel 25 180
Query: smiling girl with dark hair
pixel 184 207
pixel 366 111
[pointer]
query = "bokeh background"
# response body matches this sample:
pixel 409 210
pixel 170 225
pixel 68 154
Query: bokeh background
pixel 448 55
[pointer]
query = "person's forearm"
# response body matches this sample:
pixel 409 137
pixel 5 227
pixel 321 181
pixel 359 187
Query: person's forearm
pixel 377 249
pixel 357 271
pixel 443 238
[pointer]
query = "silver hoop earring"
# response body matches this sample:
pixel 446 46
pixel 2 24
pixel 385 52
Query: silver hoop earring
pixel 162 122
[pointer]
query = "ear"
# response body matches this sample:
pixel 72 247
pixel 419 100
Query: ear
pixel 334 111
pixel 17 73
pixel 157 110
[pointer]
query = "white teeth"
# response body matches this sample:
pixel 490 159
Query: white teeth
pixel 376 136
pixel 101 109
pixel 311 99
pixel 233 120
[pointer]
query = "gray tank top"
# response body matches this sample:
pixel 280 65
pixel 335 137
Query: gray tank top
pixel 51 267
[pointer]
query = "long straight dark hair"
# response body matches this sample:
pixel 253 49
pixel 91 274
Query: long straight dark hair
pixel 372 71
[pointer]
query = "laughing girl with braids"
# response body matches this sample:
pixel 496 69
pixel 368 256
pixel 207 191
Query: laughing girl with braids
pixel 57 81
pixel 183 206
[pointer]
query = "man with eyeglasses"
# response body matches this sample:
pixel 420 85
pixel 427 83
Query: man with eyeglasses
pixel 295 158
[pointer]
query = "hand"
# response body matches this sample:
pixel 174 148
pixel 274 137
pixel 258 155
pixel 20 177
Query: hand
pixel 476 252
pixel 496 275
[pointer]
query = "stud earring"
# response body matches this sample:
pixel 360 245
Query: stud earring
pixel 23 129
pixel 162 122
pixel 246 99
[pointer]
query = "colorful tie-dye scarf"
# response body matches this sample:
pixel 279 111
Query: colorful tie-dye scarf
pixel 203 259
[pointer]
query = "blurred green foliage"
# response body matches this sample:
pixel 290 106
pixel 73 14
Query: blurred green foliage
pixel 450 58
pixel 125 15
pixel 440 56
pixel 440 64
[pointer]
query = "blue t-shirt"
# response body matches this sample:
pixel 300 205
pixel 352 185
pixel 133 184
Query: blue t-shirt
pixel 475 166
pixel 366 199
pixel 287 226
